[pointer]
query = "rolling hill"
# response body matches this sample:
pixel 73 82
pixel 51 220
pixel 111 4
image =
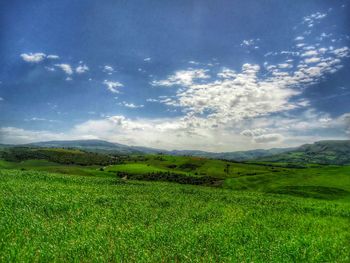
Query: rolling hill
pixel 321 152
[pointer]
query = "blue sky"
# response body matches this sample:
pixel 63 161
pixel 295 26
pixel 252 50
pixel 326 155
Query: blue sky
pixel 208 75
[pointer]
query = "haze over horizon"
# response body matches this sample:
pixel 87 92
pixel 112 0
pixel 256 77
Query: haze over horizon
pixel 200 75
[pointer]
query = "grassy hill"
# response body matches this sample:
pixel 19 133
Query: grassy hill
pixel 310 180
pixel 322 152
pixel 55 217
pixel 98 146
pixel 58 155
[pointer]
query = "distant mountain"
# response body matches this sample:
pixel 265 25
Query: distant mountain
pixel 116 148
pixel 90 145
pixel 322 152
pixel 234 156
pixel 5 145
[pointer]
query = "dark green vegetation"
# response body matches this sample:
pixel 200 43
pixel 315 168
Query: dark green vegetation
pixel 73 205
pixel 62 156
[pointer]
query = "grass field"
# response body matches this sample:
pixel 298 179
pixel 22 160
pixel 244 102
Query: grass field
pixel 260 212
pixel 56 217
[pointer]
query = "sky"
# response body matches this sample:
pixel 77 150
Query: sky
pixel 203 75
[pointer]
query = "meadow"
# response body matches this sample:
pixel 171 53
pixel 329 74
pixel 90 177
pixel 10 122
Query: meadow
pixel 260 212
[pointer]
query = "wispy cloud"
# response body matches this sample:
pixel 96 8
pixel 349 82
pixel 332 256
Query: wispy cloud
pixel 53 57
pixel 108 69
pixel 65 68
pixel 314 18
pixel 113 86
pixel 81 69
pixel 250 43
pixel 130 105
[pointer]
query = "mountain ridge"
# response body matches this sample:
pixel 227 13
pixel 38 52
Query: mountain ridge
pixel 326 151
pixel 321 152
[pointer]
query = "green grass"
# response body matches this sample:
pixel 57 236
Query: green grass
pixel 191 165
pixel 325 176
pixel 63 218
pixel 135 168
pixel 264 177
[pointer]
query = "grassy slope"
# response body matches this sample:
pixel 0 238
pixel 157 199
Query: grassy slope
pixel 313 181
pixel 55 217
pixel 190 165
pixel 254 177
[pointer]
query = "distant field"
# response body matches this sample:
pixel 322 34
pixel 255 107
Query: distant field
pixel 56 217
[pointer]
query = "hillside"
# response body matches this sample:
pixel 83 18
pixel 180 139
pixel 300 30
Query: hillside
pixel 99 146
pixel 57 155
pixel 322 152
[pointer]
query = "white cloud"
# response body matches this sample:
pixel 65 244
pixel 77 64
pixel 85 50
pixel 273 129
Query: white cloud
pixel 253 132
pixel 82 69
pixel 183 77
pixel 285 65
pixel 299 38
pixel 53 57
pixel 147 59
pixel 208 101
pixel 313 19
pixel 113 86
pixel 151 100
pixel 130 105
pixel 309 53
pixel 268 138
pixel 50 69
pixel 312 60
pixel 1 99
pixel 108 69
pixel 341 52
pixel 37 119
pixel 33 57
pixel 193 62
pixel 66 68
pixel 261 135
pixel 192 133
pixel 235 95
pixel 251 43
